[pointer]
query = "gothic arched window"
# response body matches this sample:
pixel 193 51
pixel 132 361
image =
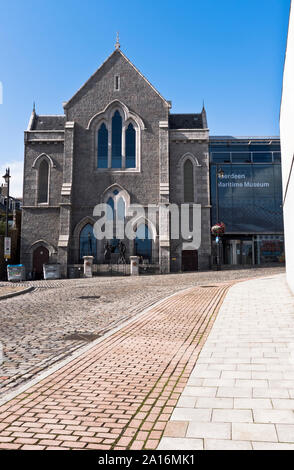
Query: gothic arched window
pixel 43 182
pixel 117 139
pixel 130 147
pixel 103 147
pixel 116 143
pixel 88 245
pixel 188 181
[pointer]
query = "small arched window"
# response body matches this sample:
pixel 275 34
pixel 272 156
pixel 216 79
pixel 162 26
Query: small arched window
pixel 43 182
pixel 88 245
pixel 130 147
pixel 103 147
pixel 188 182
pixel 116 144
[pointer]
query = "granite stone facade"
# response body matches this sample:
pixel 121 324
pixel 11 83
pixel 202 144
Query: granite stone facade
pixel 68 145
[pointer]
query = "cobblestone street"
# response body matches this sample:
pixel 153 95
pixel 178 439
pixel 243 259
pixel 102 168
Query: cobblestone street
pixel 34 327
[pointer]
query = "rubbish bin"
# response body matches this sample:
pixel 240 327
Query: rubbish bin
pixel 51 271
pixel 74 272
pixel 16 272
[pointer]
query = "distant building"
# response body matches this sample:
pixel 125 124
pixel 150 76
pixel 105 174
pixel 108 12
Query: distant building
pixel 287 146
pixel 14 224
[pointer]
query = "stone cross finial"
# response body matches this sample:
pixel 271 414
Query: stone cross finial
pixel 117 44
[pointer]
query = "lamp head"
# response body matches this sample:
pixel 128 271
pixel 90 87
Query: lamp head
pixel 7 175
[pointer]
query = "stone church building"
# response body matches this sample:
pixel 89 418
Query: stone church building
pixel 117 143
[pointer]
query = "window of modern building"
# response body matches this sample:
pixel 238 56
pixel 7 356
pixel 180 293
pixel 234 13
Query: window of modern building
pixel 277 157
pixel 241 157
pixel 188 182
pixel 43 182
pixel 103 147
pixel 262 157
pixel 88 246
pixel 130 146
pixel 221 157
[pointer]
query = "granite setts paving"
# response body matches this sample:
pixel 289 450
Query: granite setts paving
pixel 184 375
pixel 36 328
pixel 240 392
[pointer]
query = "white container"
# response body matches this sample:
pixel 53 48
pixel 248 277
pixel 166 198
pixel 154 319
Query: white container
pixel 51 271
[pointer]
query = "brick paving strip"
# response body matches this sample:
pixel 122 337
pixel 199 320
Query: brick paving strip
pixel 240 394
pixel 121 393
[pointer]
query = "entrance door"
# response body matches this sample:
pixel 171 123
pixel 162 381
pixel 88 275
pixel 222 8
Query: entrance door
pixel 40 257
pixel 189 260
pixel 247 252
pixel 239 252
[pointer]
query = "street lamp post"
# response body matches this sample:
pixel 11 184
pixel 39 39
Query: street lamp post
pixel 7 180
pixel 219 173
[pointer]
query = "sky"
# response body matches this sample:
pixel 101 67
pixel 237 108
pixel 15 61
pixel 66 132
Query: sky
pixel 229 53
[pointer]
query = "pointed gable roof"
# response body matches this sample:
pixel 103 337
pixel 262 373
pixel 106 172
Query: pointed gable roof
pixel 116 51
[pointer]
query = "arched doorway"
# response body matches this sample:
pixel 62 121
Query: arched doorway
pixel 40 257
pixel 88 242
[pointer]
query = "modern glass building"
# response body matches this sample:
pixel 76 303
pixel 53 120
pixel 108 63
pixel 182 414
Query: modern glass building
pixel 246 194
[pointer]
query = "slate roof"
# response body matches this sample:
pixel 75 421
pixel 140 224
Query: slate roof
pixel 186 121
pixel 48 123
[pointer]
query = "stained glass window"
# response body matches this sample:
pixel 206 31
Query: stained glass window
pixel 116 140
pixel 130 147
pixel 103 147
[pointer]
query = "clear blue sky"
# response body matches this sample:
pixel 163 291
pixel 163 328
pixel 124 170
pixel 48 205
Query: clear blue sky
pixel 228 52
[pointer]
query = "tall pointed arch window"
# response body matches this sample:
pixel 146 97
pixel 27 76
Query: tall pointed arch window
pixel 118 140
pixel 130 146
pixel 116 143
pixel 43 182
pixel 188 181
pixel 116 212
pixel 103 146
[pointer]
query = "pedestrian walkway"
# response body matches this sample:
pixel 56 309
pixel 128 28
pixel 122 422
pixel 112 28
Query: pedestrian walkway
pixel 121 393
pixel 240 394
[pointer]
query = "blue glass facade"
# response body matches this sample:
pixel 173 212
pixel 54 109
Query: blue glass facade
pixel 246 194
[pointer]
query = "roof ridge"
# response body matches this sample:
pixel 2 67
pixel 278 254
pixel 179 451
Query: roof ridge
pixel 116 51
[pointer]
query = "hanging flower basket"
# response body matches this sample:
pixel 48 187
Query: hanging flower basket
pixel 218 229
